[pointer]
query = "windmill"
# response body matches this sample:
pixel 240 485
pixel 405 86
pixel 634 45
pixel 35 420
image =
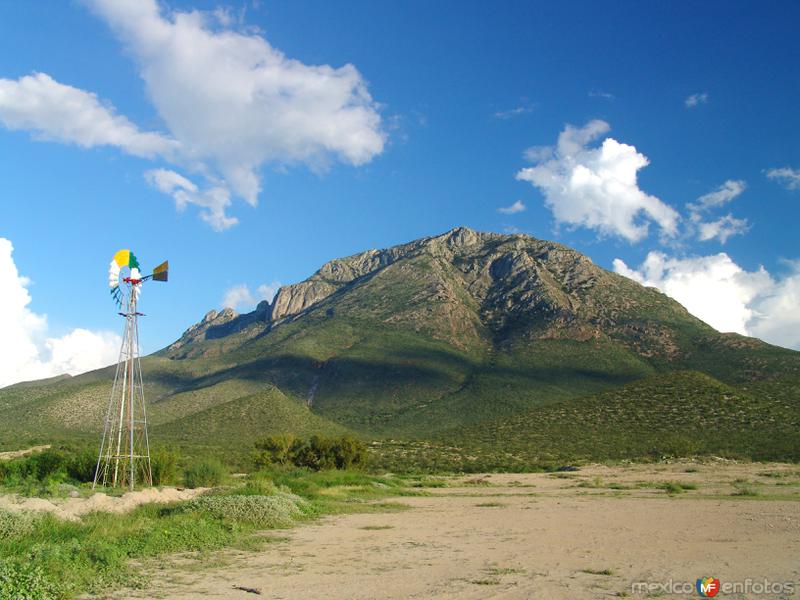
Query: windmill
pixel 124 456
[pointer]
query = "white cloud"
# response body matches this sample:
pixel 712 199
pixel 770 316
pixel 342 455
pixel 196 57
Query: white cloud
pixel 231 102
pixel 267 291
pixel 26 352
pixel 537 154
pixel 239 297
pixel 517 207
pixel 510 113
pixel 600 94
pixel 722 228
pixel 789 177
pixel 696 99
pixel 597 187
pixel 720 196
pixel 58 112
pixel 718 291
pixel 776 317
pixel 235 102
pixel 212 201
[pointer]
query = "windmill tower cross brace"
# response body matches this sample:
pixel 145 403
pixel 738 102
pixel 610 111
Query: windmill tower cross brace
pixel 124 455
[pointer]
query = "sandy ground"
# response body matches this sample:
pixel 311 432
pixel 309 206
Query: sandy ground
pixel 19 453
pixel 514 536
pixel 72 508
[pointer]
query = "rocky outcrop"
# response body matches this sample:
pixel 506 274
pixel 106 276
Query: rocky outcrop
pixel 220 324
pixel 467 282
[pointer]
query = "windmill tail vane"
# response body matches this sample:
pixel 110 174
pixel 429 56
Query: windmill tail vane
pixel 124 457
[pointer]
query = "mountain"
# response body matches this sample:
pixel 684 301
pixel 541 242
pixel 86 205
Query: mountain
pixel 443 339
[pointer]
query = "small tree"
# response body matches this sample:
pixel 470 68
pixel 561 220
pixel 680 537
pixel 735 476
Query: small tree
pixel 164 466
pixel 349 453
pixel 317 453
pixel 275 449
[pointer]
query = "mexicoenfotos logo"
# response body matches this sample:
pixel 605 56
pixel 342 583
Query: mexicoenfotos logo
pixel 708 587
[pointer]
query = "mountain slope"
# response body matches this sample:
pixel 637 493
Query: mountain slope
pixel 441 334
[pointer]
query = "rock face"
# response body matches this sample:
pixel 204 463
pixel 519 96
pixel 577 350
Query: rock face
pixel 467 282
pixel 220 324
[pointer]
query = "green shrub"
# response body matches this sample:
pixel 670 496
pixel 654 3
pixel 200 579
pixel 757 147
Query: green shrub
pixel 164 466
pixel 277 510
pixel 14 524
pixel 276 449
pixel 258 484
pixel 207 473
pixel 81 465
pixel 50 465
pixel 21 580
pixel 349 453
pixel 317 453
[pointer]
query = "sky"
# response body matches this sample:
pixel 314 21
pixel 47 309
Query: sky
pixel 251 142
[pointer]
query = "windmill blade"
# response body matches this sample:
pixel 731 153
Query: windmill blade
pixel 161 272
pixel 116 294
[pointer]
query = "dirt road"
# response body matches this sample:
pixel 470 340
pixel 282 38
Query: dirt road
pixel 600 533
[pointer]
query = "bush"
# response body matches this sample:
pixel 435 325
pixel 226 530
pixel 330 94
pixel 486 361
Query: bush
pixel 207 473
pixel 277 510
pixel 164 466
pixel 52 464
pixel 21 580
pixel 82 464
pixel 276 449
pixel 14 524
pixel 318 453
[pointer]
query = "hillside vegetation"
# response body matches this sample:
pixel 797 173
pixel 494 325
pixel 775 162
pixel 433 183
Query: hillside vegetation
pixel 517 349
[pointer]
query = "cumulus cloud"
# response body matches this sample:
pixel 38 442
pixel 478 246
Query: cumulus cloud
pixel 696 99
pixel 721 229
pixel 537 154
pixel 597 187
pixel 720 196
pixel 62 113
pixel 239 297
pixel 724 295
pixel 724 227
pixel 26 351
pixel 234 102
pixel 776 317
pixel 789 177
pixel 212 200
pixel 517 207
pixel 230 101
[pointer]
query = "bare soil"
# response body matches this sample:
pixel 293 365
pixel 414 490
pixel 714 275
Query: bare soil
pixel 596 533
pixel 72 508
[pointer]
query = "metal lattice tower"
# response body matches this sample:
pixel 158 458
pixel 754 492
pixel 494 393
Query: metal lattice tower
pixel 124 458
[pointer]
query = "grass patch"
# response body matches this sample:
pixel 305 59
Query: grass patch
pixel 490 504
pixel 618 486
pixel 44 558
pixel 675 487
pixel 376 527
pixel 504 571
pixel 742 490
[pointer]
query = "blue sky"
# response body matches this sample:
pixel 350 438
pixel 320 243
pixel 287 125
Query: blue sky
pixel 111 115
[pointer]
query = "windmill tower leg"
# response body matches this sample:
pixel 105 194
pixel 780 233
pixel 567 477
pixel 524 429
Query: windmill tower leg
pixel 124 455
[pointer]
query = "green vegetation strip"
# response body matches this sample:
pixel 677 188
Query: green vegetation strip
pixel 45 558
